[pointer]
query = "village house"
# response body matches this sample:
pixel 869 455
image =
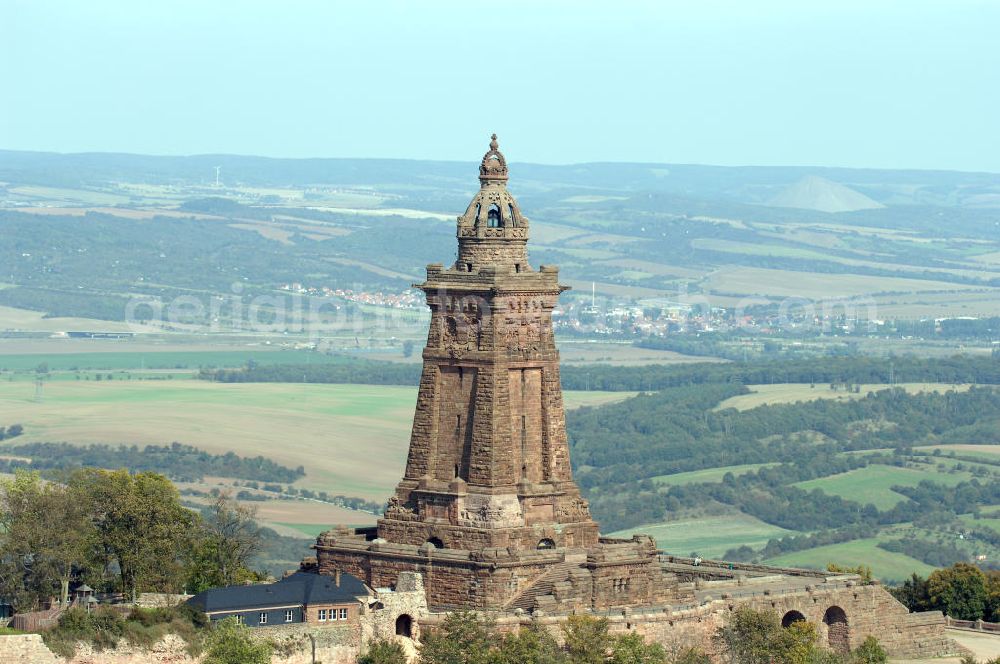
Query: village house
pixel 301 597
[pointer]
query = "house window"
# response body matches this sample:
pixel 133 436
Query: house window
pixel 289 616
pixel 263 619
pixel 343 614
pixel 322 615
pixel 240 620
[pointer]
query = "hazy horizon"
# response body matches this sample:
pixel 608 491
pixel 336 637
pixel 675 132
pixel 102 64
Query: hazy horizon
pixel 849 84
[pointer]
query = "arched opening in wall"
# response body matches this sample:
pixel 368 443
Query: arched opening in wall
pixel 479 208
pixel 436 542
pixel 513 218
pixel 493 216
pixel 791 617
pixel 546 544
pixel 836 629
pixel 404 626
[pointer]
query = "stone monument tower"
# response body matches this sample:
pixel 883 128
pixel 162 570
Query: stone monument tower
pixel 487 505
pixel 488 463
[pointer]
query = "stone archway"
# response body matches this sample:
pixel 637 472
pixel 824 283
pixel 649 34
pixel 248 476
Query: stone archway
pixel 838 634
pixel 436 542
pixel 404 626
pixel 791 617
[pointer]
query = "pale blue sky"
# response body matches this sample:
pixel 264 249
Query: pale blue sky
pixel 904 84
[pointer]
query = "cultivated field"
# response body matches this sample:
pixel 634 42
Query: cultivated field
pixel 988 452
pixel 93 355
pixel 886 565
pixel 872 484
pixel 707 475
pixel 352 439
pixel 779 393
pixel 709 536
pixel 788 283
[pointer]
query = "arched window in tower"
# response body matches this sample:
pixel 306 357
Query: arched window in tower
pixel 512 217
pixel 479 208
pixel 493 216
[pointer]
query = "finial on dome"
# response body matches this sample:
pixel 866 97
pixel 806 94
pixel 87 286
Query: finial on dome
pixel 494 166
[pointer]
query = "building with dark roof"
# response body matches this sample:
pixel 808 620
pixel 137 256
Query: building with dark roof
pixel 300 597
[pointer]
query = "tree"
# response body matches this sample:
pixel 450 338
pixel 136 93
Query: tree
pixel 142 528
pixel 463 638
pixel 748 636
pixel 797 642
pixel 691 656
pixel 231 538
pixel 532 644
pixel 383 651
pixel 586 639
pixel 913 593
pixel 993 596
pixel 631 648
pixel 231 643
pixel 869 652
pixel 959 591
pixel 45 535
pixel 757 637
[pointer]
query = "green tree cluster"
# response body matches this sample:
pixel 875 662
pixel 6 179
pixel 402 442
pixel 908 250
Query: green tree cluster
pixel 467 638
pixel 749 637
pixel 115 531
pixel 962 591
pixel 757 637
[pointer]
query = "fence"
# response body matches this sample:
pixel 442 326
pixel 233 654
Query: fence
pixel 976 625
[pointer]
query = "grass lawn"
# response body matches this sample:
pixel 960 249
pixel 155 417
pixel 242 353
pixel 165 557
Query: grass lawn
pixel 707 475
pixel 872 483
pixel 709 536
pixel 886 565
pixel 352 439
pixel 781 393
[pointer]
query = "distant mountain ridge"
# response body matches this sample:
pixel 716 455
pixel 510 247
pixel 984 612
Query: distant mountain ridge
pixel 815 193
pixel 753 185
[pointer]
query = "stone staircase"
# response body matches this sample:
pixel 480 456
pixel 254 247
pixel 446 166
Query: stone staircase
pixel 547 589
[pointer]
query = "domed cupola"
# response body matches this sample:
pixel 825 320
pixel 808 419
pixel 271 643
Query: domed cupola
pixel 493 231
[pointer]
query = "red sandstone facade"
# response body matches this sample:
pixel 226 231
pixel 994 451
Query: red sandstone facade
pixel 487 509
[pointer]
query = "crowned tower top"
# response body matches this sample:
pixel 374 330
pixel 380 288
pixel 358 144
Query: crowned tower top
pixel 492 231
pixel 494 166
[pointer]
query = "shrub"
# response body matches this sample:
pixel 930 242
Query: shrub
pixel 231 643
pixel 383 652
pixel 869 652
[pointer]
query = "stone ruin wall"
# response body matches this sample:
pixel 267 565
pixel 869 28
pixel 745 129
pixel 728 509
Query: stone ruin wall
pixel 870 610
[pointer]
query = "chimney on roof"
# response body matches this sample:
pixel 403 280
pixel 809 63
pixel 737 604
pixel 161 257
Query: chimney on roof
pixel 336 577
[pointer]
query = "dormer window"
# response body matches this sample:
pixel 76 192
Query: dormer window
pixel 493 217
